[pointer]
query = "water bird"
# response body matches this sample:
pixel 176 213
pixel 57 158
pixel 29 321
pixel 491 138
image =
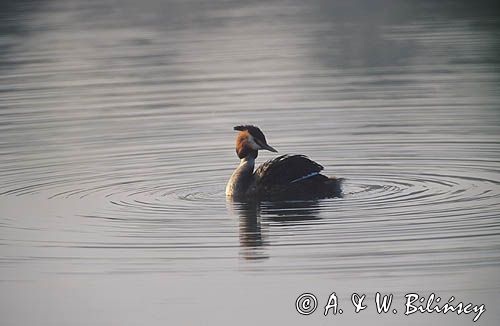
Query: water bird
pixel 286 177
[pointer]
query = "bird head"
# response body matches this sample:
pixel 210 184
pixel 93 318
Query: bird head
pixel 250 140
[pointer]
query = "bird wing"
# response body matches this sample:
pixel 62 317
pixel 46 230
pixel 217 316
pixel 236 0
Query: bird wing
pixel 284 170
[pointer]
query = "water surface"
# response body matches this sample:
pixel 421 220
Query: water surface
pixel 116 143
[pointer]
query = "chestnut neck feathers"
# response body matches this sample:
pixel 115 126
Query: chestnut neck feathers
pixel 244 146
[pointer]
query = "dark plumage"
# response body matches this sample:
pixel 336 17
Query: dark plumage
pixel 283 178
pixel 294 176
pixel 285 169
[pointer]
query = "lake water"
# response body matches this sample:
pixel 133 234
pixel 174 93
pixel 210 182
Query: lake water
pixel 116 143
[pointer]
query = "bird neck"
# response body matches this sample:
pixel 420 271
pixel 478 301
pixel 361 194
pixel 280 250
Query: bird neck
pixel 242 178
pixel 247 164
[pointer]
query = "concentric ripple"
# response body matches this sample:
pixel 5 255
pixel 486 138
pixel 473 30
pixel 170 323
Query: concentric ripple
pixel 416 211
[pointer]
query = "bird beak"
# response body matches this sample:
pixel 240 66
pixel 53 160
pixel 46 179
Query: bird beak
pixel 269 148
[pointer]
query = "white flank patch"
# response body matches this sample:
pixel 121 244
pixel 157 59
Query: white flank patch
pixel 305 177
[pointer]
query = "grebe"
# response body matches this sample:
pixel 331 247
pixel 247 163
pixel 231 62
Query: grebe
pixel 286 177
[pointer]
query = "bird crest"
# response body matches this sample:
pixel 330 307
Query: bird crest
pixel 256 133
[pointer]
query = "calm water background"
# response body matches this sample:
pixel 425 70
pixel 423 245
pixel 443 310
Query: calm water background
pixel 116 143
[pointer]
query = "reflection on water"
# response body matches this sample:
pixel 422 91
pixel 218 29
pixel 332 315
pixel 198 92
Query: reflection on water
pixel 116 143
pixel 250 230
pixel 286 213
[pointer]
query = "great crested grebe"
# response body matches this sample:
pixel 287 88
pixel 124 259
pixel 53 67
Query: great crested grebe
pixel 286 177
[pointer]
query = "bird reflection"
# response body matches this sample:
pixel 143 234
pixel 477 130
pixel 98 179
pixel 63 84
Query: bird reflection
pixel 251 238
pixel 255 219
pixel 288 212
